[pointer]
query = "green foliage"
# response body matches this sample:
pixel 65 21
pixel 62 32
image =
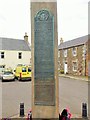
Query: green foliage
pixel 62 71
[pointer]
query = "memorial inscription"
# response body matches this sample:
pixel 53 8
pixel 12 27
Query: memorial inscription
pixel 44 56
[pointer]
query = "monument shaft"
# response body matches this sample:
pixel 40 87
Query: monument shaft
pixel 44 59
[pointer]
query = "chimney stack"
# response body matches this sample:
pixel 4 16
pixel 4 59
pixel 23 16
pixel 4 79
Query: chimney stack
pixel 26 37
pixel 61 40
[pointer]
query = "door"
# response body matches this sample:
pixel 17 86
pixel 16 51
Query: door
pixel 65 68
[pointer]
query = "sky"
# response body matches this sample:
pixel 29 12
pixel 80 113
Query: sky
pixel 72 19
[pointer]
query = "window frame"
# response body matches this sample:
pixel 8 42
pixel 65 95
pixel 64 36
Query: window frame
pixel 74 51
pixel 19 55
pixel 58 53
pixel 73 66
pixel 65 52
pixel 2 55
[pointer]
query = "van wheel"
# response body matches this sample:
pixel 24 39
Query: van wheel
pixel 15 78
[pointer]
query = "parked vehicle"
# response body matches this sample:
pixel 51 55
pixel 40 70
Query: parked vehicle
pixel 23 72
pixel 8 75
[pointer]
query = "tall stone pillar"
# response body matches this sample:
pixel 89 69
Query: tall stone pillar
pixel 44 46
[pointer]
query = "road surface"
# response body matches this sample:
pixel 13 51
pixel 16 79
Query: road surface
pixel 72 93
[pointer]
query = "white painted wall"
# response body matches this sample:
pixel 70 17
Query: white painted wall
pixel 11 58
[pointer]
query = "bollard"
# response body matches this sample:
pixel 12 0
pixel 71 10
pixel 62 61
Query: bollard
pixel 59 116
pixel 21 109
pixel 84 110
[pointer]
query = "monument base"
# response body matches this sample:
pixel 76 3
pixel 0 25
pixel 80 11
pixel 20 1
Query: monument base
pixel 45 112
pixel 44 102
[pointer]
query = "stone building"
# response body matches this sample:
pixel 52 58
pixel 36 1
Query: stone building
pixel 73 56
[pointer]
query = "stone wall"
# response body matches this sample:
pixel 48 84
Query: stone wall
pixel 79 58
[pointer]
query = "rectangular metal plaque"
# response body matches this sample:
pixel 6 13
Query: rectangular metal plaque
pixel 44 57
pixel 44 49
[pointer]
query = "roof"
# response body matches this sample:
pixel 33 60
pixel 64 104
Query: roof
pixel 75 42
pixel 13 44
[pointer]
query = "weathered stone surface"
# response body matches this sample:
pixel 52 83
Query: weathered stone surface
pixel 44 60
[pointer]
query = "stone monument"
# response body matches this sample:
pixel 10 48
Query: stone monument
pixel 44 45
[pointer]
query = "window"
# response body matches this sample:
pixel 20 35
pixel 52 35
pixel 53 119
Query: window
pixel 84 52
pixel 84 49
pixel 2 55
pixel 19 55
pixel 23 69
pixel 29 69
pixel 74 66
pixel 74 51
pixel 58 53
pixel 2 66
pixel 65 53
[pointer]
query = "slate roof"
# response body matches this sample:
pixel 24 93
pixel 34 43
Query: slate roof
pixel 75 42
pixel 13 44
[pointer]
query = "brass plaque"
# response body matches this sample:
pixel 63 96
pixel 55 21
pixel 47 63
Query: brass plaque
pixel 44 46
pixel 44 58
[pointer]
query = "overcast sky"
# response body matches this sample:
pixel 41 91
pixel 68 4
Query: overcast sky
pixel 72 18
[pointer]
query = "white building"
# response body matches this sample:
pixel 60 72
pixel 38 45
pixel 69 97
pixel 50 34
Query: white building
pixel 14 52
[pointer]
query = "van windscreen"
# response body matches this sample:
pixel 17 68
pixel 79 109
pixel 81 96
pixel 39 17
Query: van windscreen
pixel 29 69
pixel 23 69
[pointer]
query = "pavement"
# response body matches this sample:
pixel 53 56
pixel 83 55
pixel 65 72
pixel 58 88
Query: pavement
pixel 17 116
pixel 85 78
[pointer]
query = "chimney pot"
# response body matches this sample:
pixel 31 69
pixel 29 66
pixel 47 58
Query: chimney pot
pixel 26 37
pixel 61 40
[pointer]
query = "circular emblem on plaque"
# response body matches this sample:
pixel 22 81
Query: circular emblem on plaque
pixel 43 15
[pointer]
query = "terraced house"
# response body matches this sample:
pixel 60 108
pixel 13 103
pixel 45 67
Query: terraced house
pixel 14 52
pixel 73 56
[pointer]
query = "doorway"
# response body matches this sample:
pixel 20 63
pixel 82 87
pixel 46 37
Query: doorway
pixel 65 68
